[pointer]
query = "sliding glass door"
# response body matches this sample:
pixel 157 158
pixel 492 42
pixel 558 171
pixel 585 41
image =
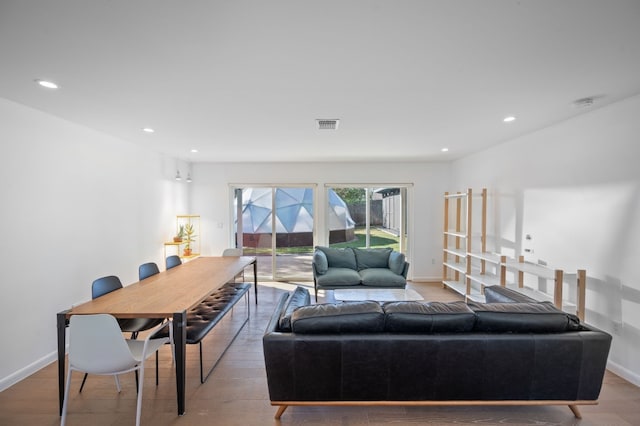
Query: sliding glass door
pixel 367 216
pixel 276 224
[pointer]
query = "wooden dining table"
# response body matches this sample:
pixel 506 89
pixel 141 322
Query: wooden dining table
pixel 168 295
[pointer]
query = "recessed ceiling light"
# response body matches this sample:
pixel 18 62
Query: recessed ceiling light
pixel 47 84
pixel 445 150
pixel 148 130
pixel 194 150
pixel 509 119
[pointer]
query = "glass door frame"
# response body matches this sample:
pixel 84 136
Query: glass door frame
pixel 236 238
pixel 406 191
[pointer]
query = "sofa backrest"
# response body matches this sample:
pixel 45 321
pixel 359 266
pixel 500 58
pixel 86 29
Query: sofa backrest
pixel 297 315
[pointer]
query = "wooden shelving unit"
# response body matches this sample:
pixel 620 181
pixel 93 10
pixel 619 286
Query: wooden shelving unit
pixel 457 244
pixel 554 276
pixel 468 271
pixel 483 268
pixel 489 272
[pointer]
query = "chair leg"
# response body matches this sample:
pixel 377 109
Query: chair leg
pixel 201 372
pixel 156 368
pixel 134 336
pixel 172 343
pixel 140 386
pixel 84 379
pixel 65 404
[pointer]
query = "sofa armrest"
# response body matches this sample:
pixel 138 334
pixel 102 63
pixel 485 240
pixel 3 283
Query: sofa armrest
pixel 405 270
pixel 320 263
pixel 500 294
pixel 397 263
pixel 274 321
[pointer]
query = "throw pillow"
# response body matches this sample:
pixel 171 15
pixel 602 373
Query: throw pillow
pixel 339 258
pixel 372 258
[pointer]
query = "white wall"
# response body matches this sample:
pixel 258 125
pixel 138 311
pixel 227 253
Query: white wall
pixel 575 188
pixel 76 205
pixel 211 198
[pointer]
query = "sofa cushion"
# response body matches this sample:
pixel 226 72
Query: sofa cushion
pixel 382 277
pixel 320 261
pixel 339 277
pixel 500 294
pixel 339 258
pixel 372 258
pixel 434 317
pixel 299 297
pixel 540 317
pixel 331 318
pixel 396 262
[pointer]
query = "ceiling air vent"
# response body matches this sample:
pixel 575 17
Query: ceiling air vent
pixel 583 103
pixel 327 124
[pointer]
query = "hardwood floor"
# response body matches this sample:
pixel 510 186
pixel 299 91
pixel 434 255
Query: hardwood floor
pixel 236 392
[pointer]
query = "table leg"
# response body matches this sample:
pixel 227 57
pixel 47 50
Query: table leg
pixel 180 345
pixel 61 320
pixel 255 278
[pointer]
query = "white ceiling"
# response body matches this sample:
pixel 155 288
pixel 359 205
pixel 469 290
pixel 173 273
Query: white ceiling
pixel 246 80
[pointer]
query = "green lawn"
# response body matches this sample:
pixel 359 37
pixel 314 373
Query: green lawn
pixel 379 239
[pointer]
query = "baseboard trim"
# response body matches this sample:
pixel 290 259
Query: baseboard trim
pixel 426 279
pixel 23 373
pixel 625 373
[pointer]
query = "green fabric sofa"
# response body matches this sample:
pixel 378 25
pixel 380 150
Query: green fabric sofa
pixel 335 268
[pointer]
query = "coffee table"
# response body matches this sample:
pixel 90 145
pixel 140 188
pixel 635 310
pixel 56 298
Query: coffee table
pixel 377 294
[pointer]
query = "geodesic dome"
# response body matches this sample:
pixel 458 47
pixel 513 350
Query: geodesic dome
pixel 294 215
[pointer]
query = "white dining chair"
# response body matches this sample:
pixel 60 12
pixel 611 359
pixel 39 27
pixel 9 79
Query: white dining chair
pixel 234 252
pixel 97 346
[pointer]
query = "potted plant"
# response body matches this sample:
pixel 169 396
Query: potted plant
pixel 188 238
pixel 180 235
